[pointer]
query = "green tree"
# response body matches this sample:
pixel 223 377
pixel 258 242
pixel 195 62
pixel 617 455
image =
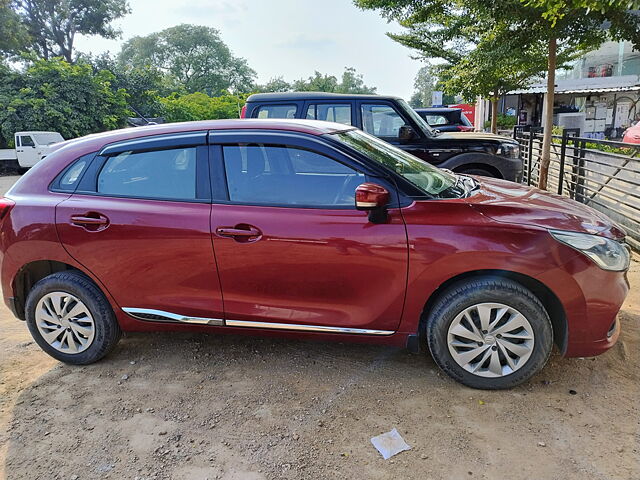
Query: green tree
pixel 144 85
pixel 200 106
pixel 450 29
pixel 55 95
pixel 423 87
pixel 53 25
pixel 13 34
pixel 351 82
pixel 277 84
pixel 194 55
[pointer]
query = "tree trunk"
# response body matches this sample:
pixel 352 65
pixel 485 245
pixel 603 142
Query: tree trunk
pixel 545 156
pixel 494 114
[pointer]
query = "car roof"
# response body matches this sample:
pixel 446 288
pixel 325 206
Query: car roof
pixel 64 152
pixel 438 109
pixel 96 141
pixel 289 96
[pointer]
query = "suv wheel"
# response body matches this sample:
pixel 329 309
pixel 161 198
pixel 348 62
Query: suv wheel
pixel 71 320
pixel 489 333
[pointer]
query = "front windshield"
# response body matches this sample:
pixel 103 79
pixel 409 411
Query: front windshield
pixel 422 124
pixel 47 138
pixel 429 179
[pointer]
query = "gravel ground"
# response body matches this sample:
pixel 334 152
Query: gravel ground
pixel 192 406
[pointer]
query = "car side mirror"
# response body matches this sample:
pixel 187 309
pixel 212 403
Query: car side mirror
pixel 373 198
pixel 406 133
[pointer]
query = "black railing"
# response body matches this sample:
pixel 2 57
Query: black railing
pixel 600 173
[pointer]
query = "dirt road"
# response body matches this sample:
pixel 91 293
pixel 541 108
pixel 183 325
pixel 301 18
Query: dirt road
pixel 186 406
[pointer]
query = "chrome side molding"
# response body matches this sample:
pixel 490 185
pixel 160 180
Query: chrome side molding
pixel 151 315
pixel 305 328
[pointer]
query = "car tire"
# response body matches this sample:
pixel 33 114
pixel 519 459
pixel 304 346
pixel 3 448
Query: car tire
pixel 489 333
pixel 70 318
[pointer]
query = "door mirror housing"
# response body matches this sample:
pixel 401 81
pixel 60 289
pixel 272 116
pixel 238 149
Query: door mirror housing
pixel 406 133
pixel 373 198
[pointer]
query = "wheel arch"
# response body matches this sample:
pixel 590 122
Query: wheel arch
pixel 481 160
pixel 549 300
pixel 30 274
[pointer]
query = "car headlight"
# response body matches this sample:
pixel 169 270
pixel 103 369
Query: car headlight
pixel 606 253
pixel 511 150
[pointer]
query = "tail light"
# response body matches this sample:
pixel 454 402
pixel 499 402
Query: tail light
pixel 6 205
pixel 243 112
pixel 464 128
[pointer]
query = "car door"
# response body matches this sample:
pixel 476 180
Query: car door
pixel 339 112
pixel 292 250
pixel 384 120
pixel 139 221
pixel 27 151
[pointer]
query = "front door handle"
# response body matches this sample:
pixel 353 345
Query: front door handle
pixel 93 221
pixel 240 233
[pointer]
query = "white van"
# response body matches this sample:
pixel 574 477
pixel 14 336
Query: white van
pixel 31 147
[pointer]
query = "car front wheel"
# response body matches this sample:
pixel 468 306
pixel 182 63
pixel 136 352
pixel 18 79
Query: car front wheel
pixel 489 333
pixel 70 318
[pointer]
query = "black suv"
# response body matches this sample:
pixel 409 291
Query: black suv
pixel 393 120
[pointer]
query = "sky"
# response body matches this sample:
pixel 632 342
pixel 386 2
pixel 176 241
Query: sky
pixel 289 38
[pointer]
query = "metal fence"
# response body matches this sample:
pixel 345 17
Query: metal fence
pixel 600 173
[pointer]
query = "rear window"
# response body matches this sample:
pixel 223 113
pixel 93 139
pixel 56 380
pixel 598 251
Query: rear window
pixel 160 174
pixel 277 111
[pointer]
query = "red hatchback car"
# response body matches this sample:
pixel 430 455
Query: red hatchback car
pixel 307 229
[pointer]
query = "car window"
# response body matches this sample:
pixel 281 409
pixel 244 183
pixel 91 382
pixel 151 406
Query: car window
pixel 340 113
pixel 27 141
pixel 261 174
pixel 277 111
pixel 381 121
pixel 435 120
pixel 69 180
pixel 169 174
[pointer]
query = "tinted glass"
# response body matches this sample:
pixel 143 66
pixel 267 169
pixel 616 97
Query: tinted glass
pixel 340 113
pixel 26 141
pixel 288 176
pixel 428 178
pixel 167 174
pixel 381 121
pixel 435 120
pixel 69 180
pixel 277 111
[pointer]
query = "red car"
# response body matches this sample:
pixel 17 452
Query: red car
pixel 632 134
pixel 306 229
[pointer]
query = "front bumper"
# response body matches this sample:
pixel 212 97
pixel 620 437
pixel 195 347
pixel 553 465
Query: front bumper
pixel 591 298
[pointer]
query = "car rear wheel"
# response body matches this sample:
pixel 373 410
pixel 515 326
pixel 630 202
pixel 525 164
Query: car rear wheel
pixel 489 333
pixel 70 318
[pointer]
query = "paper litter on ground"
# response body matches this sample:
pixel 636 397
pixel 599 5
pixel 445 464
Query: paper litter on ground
pixel 389 444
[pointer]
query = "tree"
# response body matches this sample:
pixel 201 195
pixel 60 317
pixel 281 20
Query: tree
pixel 423 85
pixel 13 34
pixel 194 55
pixel 450 29
pixel 52 25
pixel 55 95
pixel 277 84
pixel 351 82
pixel 144 85
pixel 563 24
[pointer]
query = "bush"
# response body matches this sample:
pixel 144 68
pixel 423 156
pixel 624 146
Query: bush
pixel 200 106
pixel 55 95
pixel 505 122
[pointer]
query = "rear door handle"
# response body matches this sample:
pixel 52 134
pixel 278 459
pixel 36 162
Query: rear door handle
pixel 93 221
pixel 241 232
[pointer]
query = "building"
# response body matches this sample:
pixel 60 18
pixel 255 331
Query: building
pixel 599 94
